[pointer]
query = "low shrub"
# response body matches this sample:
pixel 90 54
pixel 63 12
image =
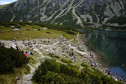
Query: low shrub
pixel 57 57
pixel 84 65
pixel 52 72
pixel 11 58
pixel 74 66
pixel 66 61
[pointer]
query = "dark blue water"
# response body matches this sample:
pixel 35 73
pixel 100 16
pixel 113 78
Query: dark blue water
pixel 112 47
pixel 118 72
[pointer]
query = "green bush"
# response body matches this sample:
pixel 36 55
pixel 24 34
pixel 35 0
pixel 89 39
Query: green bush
pixel 84 65
pixel 52 72
pixel 11 58
pixel 54 78
pixel 57 57
pixel 66 61
pixel 61 71
pixel 74 66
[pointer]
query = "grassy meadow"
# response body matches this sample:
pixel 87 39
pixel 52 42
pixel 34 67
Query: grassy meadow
pixel 32 32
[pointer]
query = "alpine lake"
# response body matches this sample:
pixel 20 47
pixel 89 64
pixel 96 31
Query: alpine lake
pixel 111 48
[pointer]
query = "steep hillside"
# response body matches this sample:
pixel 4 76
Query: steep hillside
pixel 66 12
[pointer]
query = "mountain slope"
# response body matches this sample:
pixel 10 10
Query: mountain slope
pixel 65 12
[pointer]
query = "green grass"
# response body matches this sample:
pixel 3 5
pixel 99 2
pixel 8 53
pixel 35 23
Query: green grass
pixel 11 77
pixel 32 32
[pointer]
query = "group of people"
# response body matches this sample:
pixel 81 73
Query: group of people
pixel 94 64
pixel 108 71
pixel 68 50
pixel 51 54
pixel 28 53
pixel 29 44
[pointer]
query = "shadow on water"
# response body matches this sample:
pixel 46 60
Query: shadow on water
pixel 112 47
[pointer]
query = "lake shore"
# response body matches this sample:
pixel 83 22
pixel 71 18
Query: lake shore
pixel 102 64
pixel 98 57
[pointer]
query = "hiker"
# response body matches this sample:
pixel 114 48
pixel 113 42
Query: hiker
pixel 53 54
pixel 34 42
pixel 25 53
pixel 95 64
pixel 92 57
pixel 106 70
pixel 37 45
pixel 31 41
pixel 15 39
pixel 0 43
pixel 49 53
pixel 31 53
pixel 31 46
pixel 72 59
pixel 91 65
pixel 67 51
pixel 90 53
pixel 63 51
pixel 28 40
pixel 23 42
pixel 109 73
pixel 28 43
pixel 72 53
pixel 48 41
pixel 17 47
pixel 44 41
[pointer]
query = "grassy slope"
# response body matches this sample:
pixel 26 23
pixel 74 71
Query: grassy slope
pixel 32 32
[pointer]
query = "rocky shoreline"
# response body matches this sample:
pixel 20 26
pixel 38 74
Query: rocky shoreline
pixel 102 65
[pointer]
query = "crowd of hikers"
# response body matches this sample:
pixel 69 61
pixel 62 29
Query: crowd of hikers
pixel 65 48
pixel 32 44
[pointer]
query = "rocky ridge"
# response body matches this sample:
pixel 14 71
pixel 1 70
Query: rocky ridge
pixel 66 12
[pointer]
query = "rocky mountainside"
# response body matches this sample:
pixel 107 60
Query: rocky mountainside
pixel 67 12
